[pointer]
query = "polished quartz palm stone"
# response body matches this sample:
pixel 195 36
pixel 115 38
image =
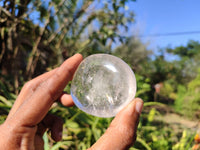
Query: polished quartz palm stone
pixel 102 85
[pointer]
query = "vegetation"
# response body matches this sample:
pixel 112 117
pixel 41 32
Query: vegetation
pixel 37 35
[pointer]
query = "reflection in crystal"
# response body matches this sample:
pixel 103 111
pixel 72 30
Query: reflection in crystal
pixel 110 99
pixel 111 67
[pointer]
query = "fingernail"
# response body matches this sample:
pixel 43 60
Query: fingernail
pixel 135 106
pixel 139 106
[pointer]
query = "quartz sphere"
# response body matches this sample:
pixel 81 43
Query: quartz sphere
pixel 102 85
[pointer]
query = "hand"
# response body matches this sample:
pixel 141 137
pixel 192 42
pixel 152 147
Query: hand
pixel 121 133
pixel 28 118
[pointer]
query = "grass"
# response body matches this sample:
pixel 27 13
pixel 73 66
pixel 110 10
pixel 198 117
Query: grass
pixel 82 130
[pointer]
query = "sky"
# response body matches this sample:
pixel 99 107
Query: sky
pixel 166 17
pixel 153 17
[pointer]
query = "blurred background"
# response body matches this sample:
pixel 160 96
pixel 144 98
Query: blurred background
pixel 160 40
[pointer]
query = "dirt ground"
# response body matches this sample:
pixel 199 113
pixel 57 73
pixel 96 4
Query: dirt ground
pixel 174 120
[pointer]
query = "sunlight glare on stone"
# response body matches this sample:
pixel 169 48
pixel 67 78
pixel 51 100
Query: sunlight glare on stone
pixel 103 85
pixel 112 68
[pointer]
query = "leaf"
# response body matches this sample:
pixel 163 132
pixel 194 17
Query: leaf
pixel 5 101
pixel 5 106
pixel 143 143
pixel 153 103
pixel 85 118
pixel 46 141
pixel 151 115
pixel 60 144
pixel 96 132
pixel 72 124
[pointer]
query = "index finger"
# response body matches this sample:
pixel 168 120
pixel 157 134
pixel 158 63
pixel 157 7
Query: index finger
pixel 34 109
pixel 28 89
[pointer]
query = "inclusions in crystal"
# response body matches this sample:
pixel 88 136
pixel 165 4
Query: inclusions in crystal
pixel 102 85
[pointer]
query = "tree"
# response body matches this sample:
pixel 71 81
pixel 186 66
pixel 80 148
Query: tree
pixel 134 52
pixel 38 34
pixel 188 63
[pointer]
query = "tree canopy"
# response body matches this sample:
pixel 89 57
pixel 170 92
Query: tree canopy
pixel 38 34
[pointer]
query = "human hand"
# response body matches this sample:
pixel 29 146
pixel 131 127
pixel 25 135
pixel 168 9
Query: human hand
pixel 121 133
pixel 28 118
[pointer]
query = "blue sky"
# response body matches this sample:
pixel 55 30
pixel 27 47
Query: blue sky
pixel 166 16
pixel 163 17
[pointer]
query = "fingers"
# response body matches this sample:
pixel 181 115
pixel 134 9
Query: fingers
pixel 66 100
pixel 122 131
pixel 33 110
pixel 54 123
pixel 28 90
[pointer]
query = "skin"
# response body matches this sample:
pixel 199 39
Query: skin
pixel 29 118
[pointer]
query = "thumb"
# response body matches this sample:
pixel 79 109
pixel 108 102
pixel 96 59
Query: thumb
pixel 121 133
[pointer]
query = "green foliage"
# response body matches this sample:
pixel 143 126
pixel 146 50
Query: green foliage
pixel 6 98
pixel 193 92
pixel 143 86
pixel 189 62
pixel 168 90
pixel 185 142
pixel 155 134
pixel 188 51
pixel 134 52
pixel 188 98
pixel 41 34
pixel 151 115
pixel 38 35
pixel 6 102
pixel 80 129
pixel 161 70
pixel 180 98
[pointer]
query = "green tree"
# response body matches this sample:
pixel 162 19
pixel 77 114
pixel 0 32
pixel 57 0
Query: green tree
pixel 188 62
pixel 188 100
pixel 134 52
pixel 38 34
